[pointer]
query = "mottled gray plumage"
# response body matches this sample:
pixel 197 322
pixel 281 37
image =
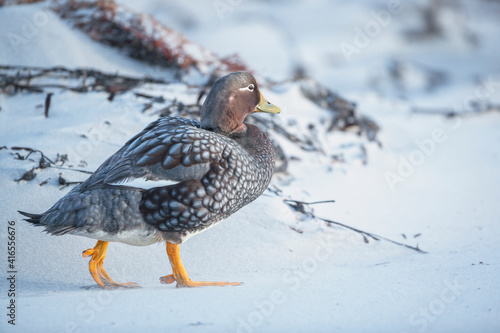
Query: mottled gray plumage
pixel 240 169
pixel 217 174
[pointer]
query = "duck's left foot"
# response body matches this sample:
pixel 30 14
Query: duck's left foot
pixel 181 276
pixel 168 279
pixel 98 253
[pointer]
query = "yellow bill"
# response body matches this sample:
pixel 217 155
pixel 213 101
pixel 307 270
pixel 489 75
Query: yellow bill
pixel 266 106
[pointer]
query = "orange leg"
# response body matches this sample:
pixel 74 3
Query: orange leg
pixel 98 253
pixel 181 276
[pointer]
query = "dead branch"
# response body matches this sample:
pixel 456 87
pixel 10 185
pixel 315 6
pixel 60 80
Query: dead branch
pixel 478 108
pixel 371 235
pixel 43 163
pixel 47 104
pixel 142 37
pixel 300 207
pixel 15 79
pixel 345 116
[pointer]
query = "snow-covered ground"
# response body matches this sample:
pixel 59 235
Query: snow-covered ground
pixel 434 180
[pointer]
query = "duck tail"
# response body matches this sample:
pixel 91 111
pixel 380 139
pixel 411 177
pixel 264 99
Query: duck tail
pixel 32 218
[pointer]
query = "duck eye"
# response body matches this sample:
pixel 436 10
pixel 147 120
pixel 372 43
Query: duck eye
pixel 251 87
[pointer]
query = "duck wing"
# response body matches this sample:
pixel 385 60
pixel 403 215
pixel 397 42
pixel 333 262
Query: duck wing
pixel 171 149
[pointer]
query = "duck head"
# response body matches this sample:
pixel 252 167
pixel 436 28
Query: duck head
pixel 231 99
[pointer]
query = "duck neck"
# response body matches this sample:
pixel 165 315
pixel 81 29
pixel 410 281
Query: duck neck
pixel 222 121
pixel 255 141
pixel 222 113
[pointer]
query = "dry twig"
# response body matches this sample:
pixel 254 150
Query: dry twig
pixel 300 207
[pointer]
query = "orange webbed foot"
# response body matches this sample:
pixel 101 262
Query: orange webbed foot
pixel 101 277
pixel 180 275
pixel 168 279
